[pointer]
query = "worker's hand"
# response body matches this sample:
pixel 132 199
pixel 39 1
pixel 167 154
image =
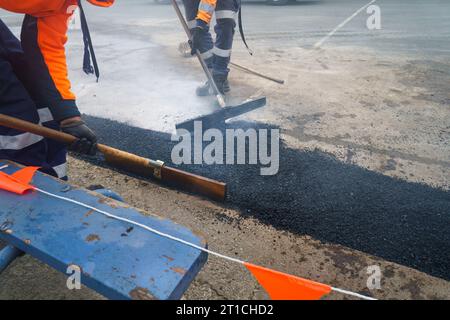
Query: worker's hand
pixel 197 34
pixel 87 140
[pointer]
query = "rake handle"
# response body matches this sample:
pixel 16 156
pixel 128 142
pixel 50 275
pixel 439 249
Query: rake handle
pixel 256 73
pixel 128 161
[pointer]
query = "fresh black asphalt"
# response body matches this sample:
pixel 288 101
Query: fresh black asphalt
pixel 317 195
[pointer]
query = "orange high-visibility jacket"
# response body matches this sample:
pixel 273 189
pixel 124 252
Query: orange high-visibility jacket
pixel 206 10
pixel 43 37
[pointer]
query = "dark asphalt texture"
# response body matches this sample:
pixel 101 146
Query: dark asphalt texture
pixel 315 194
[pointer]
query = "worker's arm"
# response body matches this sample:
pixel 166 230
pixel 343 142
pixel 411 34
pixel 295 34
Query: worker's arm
pixel 204 15
pixel 205 11
pixel 44 35
pixel 37 8
pixel 43 41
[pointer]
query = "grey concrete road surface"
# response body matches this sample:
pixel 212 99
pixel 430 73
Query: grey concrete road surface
pixel 365 128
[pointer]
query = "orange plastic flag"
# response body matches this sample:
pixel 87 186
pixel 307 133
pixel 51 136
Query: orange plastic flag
pixel 18 182
pixel 283 286
pixel 25 175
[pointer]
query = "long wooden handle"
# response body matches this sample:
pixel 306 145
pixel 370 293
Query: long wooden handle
pixel 130 162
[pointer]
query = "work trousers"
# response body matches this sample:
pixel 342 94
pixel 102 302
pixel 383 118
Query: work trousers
pixel 216 53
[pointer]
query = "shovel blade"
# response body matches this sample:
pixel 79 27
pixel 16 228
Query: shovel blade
pixel 217 118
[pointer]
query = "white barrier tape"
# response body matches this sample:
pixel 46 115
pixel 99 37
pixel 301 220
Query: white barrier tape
pixel 162 234
pixel 168 236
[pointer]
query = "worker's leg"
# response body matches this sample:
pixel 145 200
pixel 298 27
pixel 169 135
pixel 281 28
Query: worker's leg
pixel 15 101
pixel 56 151
pixel 226 15
pixel 206 44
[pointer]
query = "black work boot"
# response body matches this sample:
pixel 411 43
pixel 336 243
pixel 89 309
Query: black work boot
pixel 222 83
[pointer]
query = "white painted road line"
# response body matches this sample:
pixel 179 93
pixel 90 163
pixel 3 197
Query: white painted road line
pixel 320 43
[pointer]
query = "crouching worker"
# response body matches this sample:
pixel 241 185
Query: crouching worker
pixel 34 85
pixel 216 54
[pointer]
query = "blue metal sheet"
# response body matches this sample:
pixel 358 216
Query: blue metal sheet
pixel 118 260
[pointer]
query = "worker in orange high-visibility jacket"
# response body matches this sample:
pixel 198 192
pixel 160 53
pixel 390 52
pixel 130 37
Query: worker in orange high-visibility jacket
pixel 34 84
pixel 216 54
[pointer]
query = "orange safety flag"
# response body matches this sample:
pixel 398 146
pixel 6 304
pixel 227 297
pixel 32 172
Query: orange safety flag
pixel 19 181
pixel 283 286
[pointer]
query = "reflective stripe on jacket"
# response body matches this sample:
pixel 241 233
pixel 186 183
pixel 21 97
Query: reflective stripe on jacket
pixel 206 10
